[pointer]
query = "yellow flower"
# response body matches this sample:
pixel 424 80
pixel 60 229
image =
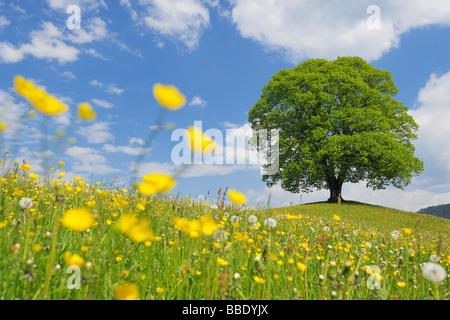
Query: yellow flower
pixel 79 219
pixel 33 176
pixel 127 291
pixel 73 260
pixel 3 126
pixel 301 266
pixel 336 217
pixel 37 247
pixel 38 98
pixel 259 280
pixel 159 290
pixel 156 182
pixel 199 141
pixel 61 163
pixel 236 197
pixel 137 229
pixel 26 167
pixel 407 231
pixel 85 112
pixel 3 224
pixel 221 261
pixel 168 96
pixel 208 225
pixel 401 284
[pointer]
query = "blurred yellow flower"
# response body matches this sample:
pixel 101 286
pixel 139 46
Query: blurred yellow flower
pixel 156 182
pixel 26 167
pixel 236 197
pixel 336 217
pixel 3 126
pixel 407 231
pixel 401 284
pixel 159 290
pixel 221 261
pixel 259 280
pixel 138 229
pixel 127 291
pixel 199 141
pixel 73 259
pixel 33 176
pixel 301 266
pixel 79 219
pixel 38 98
pixel 61 163
pixel 85 112
pixel 168 96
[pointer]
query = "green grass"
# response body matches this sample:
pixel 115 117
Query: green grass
pixel 175 266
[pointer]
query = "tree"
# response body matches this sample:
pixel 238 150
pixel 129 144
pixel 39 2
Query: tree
pixel 338 123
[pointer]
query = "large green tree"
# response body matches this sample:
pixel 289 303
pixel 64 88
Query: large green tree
pixel 338 122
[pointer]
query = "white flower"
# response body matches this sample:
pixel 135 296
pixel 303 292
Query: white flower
pixel 252 219
pixel 355 232
pixel 234 219
pixel 434 258
pixel 270 222
pixel 220 235
pixel 26 203
pixel 326 229
pixel 333 293
pixel 321 276
pixel 332 263
pixel 226 214
pixel 433 272
pixel 395 234
pixel 236 275
pixel 214 207
pixel 200 198
pixel 257 258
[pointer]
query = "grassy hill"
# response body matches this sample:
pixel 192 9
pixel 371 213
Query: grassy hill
pixel 79 241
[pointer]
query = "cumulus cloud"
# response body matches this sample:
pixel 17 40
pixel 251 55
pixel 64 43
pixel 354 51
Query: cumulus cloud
pixel 89 161
pixel 102 103
pixel 125 149
pixel 46 43
pixel 87 5
pixel 4 21
pixel 96 133
pixel 328 29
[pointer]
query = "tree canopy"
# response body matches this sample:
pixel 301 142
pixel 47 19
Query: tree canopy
pixel 338 122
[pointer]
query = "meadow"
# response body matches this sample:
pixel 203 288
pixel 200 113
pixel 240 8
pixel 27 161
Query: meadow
pixel 75 240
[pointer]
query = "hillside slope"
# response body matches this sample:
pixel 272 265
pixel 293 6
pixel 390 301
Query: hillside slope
pixel 442 211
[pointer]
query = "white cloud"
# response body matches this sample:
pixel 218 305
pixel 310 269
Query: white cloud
pixel 46 43
pixel 125 149
pixel 197 101
pixel 96 83
pixel 96 133
pixel 112 88
pixel 4 21
pixel 433 117
pixel 89 160
pixel 68 76
pixel 137 141
pixel 102 103
pixel 87 5
pixel 94 30
pixel 328 29
pixel 179 20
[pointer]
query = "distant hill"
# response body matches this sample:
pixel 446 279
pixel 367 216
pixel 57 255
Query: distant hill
pixel 442 211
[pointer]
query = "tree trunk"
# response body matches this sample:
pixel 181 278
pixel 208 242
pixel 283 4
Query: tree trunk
pixel 335 186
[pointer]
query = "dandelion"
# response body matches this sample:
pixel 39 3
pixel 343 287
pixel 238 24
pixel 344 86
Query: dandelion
pixel 85 112
pixel 434 258
pixel 138 229
pixel 395 234
pixel 433 272
pixel 235 219
pixel 326 229
pixel 407 231
pixel 301 266
pixel 168 96
pixel 127 291
pixel 160 290
pixel 272 223
pixel 26 203
pixel 220 235
pixel 26 167
pixel 236 276
pixel 236 197
pixel 252 219
pixel 336 217
pixel 79 219
pixel 199 141
pixel 401 284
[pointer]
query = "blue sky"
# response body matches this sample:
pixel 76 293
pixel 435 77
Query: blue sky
pixel 219 53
